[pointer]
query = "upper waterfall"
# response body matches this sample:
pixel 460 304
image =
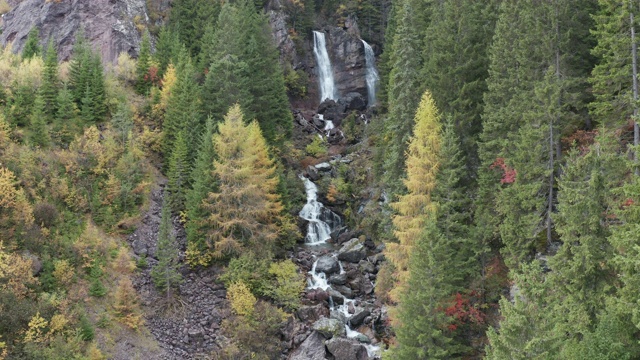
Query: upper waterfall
pixel 372 73
pixel 325 73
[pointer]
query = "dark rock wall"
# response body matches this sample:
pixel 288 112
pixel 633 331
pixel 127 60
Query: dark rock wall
pixel 110 25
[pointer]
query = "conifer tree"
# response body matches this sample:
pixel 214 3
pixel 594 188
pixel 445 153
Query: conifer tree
pixel 422 330
pixel 416 206
pixel 167 49
pixel 50 81
pixel 143 82
pixel 38 127
pixel 32 46
pixel 122 122
pixel 189 17
pixel 183 110
pixel 203 183
pixel 404 87
pixel 178 173
pixel 79 67
pixel 165 273
pixel 247 186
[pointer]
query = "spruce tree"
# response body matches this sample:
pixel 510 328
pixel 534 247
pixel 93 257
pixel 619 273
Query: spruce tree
pixel 32 46
pixel 50 81
pixel 245 210
pixel 183 110
pixel 165 274
pixel 143 82
pixel 167 49
pixel 203 183
pixel 416 206
pixel 178 173
pixel 189 17
pixel 66 118
pixel 404 87
pixel 79 67
pixel 422 330
pixel 39 134
pixel 122 122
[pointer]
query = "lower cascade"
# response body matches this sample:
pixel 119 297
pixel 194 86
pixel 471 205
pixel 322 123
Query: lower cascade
pixel 340 282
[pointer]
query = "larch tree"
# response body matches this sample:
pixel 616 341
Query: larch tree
pixel 245 209
pixel 415 207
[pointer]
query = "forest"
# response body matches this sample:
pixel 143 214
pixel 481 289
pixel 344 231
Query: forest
pixel 317 179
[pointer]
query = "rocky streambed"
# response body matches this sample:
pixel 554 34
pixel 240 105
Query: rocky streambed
pixel 341 318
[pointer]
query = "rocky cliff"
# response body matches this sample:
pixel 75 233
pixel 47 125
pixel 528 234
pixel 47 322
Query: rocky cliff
pixel 111 25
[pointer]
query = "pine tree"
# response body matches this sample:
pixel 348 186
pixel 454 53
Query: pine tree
pixel 32 46
pixel 50 81
pixel 143 82
pixel 178 173
pixel 247 184
pixel 203 183
pixel 38 127
pixel 165 274
pixel 416 206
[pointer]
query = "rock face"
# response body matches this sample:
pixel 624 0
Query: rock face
pixel 110 25
pixel 348 61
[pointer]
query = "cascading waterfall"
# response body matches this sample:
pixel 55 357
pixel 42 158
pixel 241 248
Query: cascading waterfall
pixel 325 74
pixel 322 221
pixel 372 76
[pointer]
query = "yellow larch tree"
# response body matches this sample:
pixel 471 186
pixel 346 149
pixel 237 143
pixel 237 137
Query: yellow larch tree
pixel 246 211
pixel 415 206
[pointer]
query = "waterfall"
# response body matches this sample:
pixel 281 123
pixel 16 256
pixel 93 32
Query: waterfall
pixel 325 74
pixel 321 220
pixel 372 74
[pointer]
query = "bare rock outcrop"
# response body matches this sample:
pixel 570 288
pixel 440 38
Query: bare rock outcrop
pixel 110 25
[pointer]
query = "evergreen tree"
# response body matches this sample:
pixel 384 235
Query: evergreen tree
pixel 38 127
pixel 456 64
pixel 203 183
pixel 167 49
pixel 422 331
pixel 225 85
pixel 245 210
pixel 416 206
pixel 79 67
pixel 21 104
pixel 178 173
pixel 404 88
pixel 165 273
pixel 66 117
pixel 50 81
pixel 183 111
pixel 32 46
pixel 189 17
pixel 122 122
pixel 143 82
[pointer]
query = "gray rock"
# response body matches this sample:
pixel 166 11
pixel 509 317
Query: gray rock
pixel 357 319
pixel 338 279
pixel 312 313
pixel 313 173
pixel 344 349
pixel 311 349
pixel 139 247
pixel 345 291
pixel 327 265
pixel 366 267
pixel 354 101
pixel 336 297
pixel 338 315
pixel 109 25
pixel 352 251
pixel 363 339
pixel 348 60
pixel 323 167
pixel 330 328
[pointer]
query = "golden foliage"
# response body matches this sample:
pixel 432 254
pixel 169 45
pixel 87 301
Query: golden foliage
pixel 126 304
pixel 63 272
pixel 414 207
pixel 35 332
pixel 16 274
pixel 168 82
pixel 4 7
pixel 123 264
pixel 247 187
pixel 241 299
pixel 126 68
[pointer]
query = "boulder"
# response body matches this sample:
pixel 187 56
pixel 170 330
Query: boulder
pixel 311 349
pixel 330 328
pixel 357 319
pixel 344 349
pixel 338 315
pixel 312 172
pixel 366 267
pixel 312 313
pixel 338 279
pixel 345 291
pixel 323 167
pixel 328 265
pixel 336 297
pixel 352 251
pixel 353 101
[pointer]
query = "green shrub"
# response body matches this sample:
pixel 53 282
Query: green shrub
pixel 249 270
pixel 286 284
pixel 317 148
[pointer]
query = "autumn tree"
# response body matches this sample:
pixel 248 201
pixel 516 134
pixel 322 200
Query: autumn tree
pixel 247 186
pixel 416 206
